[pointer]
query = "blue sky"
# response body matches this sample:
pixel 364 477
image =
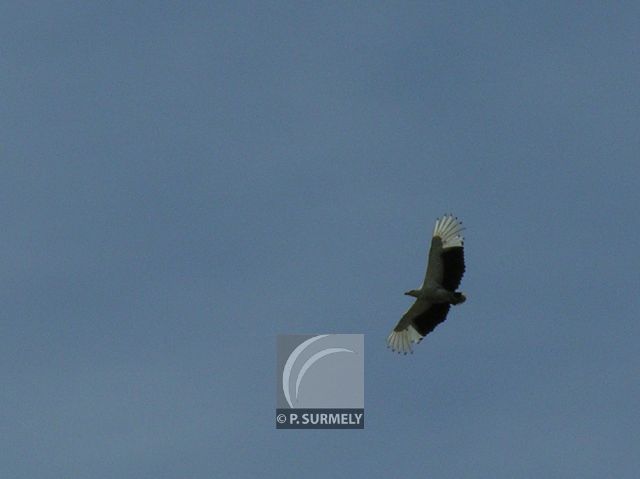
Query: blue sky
pixel 183 181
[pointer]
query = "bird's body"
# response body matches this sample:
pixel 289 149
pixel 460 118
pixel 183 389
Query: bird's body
pixel 438 291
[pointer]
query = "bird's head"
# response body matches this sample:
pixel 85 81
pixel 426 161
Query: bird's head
pixel 414 292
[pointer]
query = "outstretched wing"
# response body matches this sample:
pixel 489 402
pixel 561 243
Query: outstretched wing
pixel 445 267
pixel 419 320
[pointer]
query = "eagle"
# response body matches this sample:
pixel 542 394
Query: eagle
pixel 445 269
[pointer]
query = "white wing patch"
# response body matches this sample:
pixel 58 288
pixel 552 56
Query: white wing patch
pixel 401 341
pixel 449 229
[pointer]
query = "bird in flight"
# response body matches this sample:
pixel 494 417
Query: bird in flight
pixel 438 291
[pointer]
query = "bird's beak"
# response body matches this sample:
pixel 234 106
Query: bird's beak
pixel 407 293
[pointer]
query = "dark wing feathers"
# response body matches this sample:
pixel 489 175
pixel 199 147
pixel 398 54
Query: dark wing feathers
pixel 429 319
pixel 453 267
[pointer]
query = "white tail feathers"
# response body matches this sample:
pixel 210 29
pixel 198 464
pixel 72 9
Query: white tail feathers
pixel 400 341
pixel 449 229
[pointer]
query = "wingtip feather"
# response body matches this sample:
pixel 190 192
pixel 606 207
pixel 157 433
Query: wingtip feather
pixel 449 230
pixel 402 341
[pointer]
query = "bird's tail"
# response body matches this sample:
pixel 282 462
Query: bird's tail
pixel 458 298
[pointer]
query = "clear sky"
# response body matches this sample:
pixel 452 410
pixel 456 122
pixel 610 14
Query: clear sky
pixel 182 181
